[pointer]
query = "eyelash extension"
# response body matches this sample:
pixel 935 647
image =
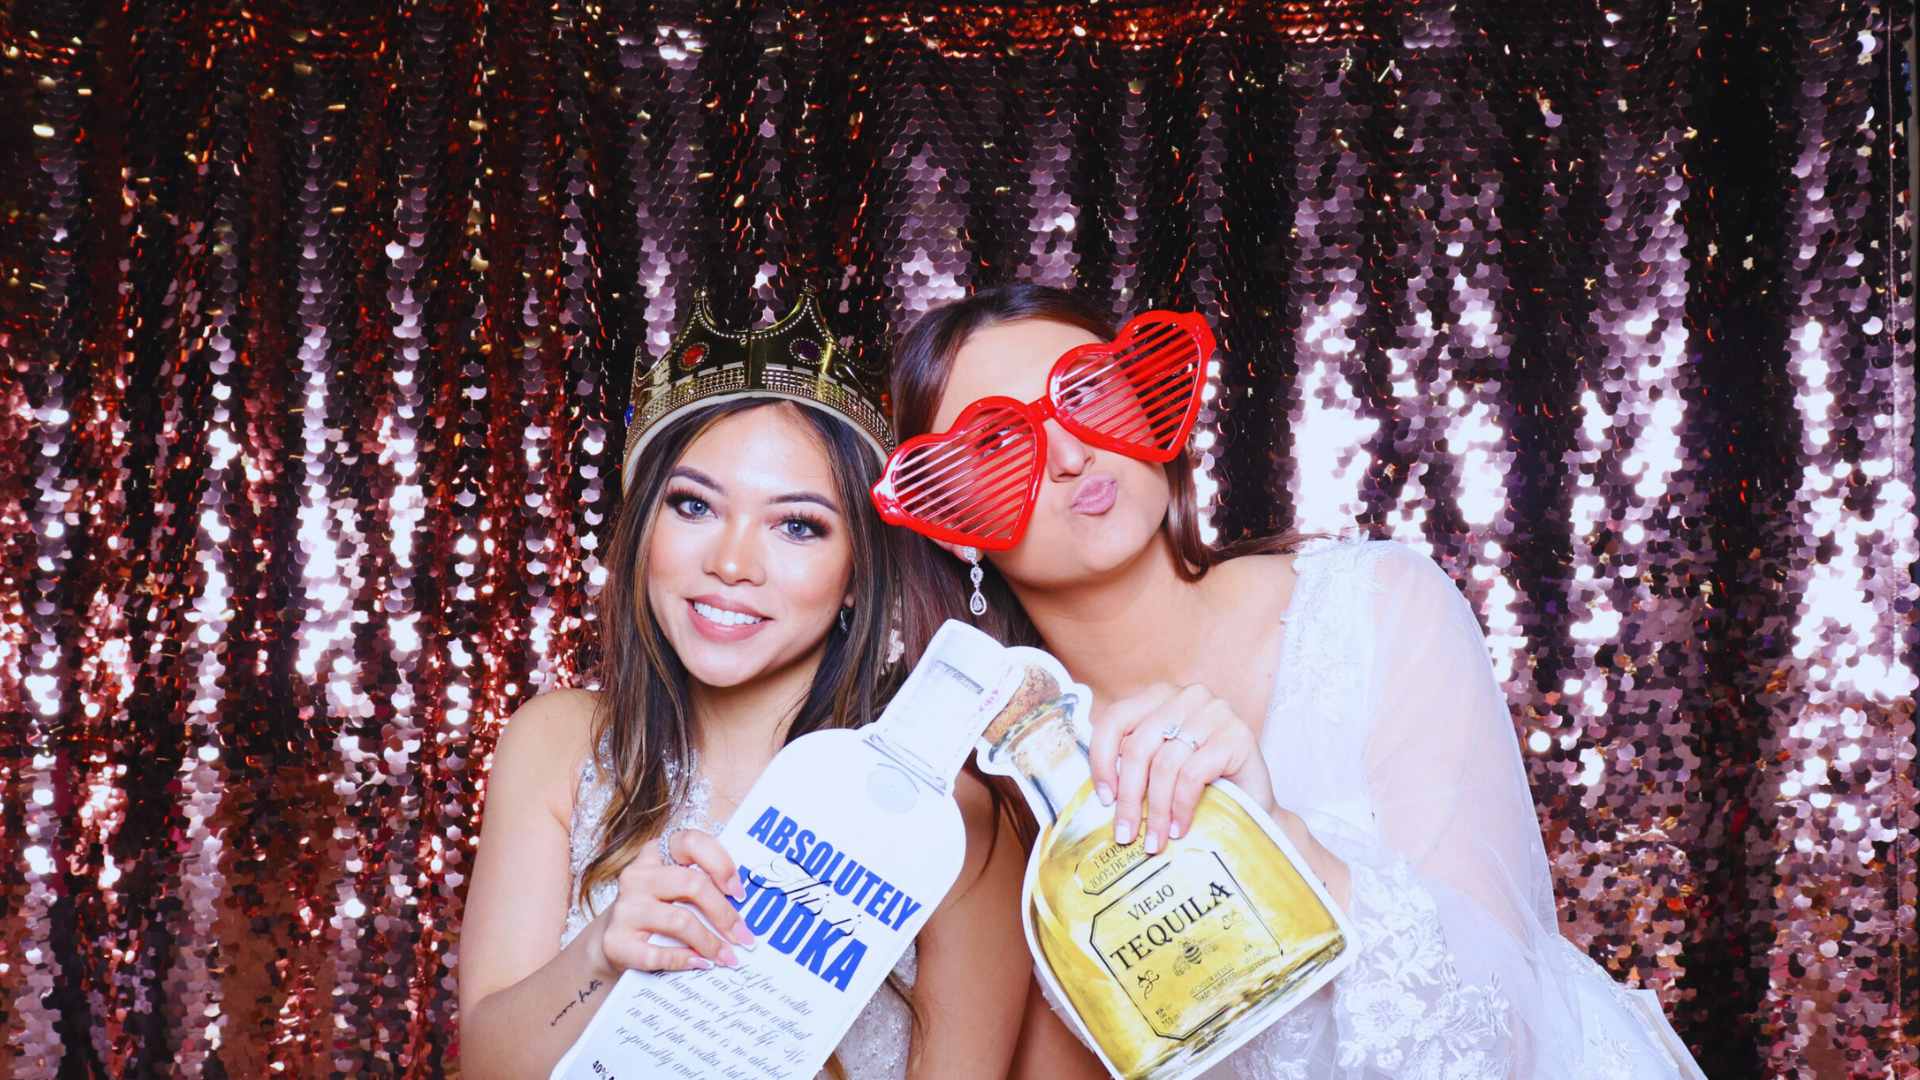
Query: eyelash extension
pixel 676 499
pixel 819 526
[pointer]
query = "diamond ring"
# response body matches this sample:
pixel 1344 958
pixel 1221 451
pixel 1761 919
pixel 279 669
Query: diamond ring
pixel 666 845
pixel 1172 731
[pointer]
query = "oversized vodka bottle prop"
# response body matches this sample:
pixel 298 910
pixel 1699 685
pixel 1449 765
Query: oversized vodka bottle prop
pixel 845 846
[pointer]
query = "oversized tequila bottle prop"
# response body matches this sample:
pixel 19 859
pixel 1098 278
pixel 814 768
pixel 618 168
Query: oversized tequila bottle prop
pixel 1169 961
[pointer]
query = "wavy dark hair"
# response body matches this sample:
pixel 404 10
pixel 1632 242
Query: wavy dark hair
pixel 643 718
pixel 922 365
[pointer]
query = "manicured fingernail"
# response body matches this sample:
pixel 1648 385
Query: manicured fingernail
pixel 728 956
pixel 737 890
pixel 1123 832
pixel 743 935
pixel 1105 793
pixel 1174 831
pixel 1153 842
pixel 701 963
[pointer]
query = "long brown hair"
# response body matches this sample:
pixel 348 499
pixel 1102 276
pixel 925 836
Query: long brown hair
pixel 643 719
pixel 922 365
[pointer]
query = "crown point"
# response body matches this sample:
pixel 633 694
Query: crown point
pixel 796 357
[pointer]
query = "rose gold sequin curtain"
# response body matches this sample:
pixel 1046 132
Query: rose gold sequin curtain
pixel 316 320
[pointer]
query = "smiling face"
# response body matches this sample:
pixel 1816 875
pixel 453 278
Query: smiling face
pixel 1096 510
pixel 749 560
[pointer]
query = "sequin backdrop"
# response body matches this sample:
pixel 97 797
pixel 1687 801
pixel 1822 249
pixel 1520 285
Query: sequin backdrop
pixel 317 319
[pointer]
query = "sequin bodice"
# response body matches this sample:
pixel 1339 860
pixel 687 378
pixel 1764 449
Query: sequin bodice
pixel 875 1047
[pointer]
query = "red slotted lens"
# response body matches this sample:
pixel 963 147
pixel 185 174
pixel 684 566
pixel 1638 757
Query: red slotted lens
pixel 976 482
pixel 1139 393
pixel 972 484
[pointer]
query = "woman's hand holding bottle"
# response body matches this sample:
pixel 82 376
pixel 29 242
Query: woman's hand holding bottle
pixel 1162 747
pixel 650 901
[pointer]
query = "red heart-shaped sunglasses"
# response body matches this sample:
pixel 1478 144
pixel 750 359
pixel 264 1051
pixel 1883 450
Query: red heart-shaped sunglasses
pixel 976 482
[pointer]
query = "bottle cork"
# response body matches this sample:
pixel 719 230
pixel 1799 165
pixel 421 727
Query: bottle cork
pixel 1036 689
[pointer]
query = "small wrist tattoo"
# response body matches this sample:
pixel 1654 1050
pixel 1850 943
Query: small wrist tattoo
pixel 578 997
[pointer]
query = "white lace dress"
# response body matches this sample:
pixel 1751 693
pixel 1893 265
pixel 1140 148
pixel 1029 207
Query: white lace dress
pixel 875 1047
pixel 1389 736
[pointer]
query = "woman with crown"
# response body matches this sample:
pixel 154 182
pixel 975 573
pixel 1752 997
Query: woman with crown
pixel 749 601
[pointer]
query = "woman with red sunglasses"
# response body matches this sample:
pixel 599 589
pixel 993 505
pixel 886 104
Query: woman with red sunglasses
pixel 1345 686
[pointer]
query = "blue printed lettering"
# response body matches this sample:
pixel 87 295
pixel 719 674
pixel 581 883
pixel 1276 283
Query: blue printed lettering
pixel 866 883
pixel 793 929
pixel 908 905
pixel 766 908
pixel 848 878
pixel 782 833
pixel 763 825
pixel 840 972
pixel 815 953
pixel 816 865
pixel 764 904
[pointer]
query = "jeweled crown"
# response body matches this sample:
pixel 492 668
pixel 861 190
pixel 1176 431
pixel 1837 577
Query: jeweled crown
pixel 796 358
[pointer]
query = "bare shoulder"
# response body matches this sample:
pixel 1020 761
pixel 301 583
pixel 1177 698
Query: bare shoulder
pixel 991 841
pixel 550 722
pixel 1261 583
pixel 976 803
pixel 544 743
pixel 1257 570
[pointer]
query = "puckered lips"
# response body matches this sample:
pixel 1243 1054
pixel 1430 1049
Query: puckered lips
pixel 1095 495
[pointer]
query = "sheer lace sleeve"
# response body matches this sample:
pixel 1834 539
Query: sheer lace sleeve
pixel 1461 971
pixel 1454 883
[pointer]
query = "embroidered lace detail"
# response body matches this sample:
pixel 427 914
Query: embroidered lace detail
pixel 1613 1052
pixel 1285 1050
pixel 1402 1009
pixel 1326 623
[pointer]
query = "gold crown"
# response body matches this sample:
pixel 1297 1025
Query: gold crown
pixel 795 358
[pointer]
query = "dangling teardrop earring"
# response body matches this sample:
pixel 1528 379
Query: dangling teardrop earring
pixel 977 603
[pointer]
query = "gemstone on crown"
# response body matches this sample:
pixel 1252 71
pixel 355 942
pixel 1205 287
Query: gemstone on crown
pixel 795 358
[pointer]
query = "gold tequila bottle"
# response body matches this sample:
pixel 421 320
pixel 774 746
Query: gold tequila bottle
pixel 1169 957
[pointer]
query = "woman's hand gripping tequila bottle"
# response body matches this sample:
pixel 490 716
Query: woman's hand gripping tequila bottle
pixel 1173 959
